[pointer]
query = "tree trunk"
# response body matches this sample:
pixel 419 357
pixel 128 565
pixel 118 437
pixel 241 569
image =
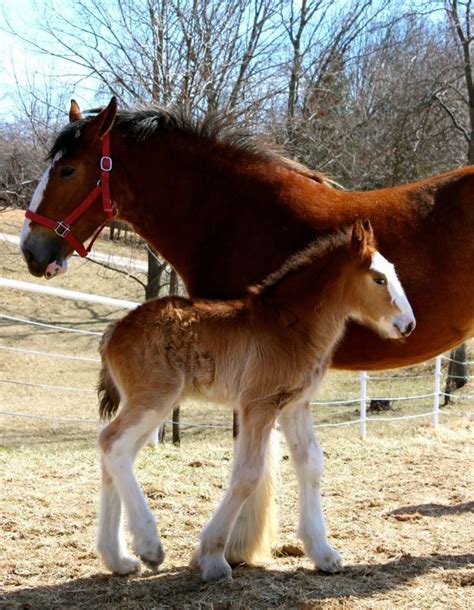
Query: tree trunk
pixel 152 289
pixel 173 289
pixel 155 270
pixel 457 372
pixel 235 425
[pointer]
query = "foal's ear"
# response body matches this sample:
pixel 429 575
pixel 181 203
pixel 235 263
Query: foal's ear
pixel 103 122
pixel 75 113
pixel 369 232
pixel 358 238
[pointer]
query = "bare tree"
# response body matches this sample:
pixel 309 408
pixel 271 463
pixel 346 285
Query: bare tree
pixel 461 21
pixel 204 53
pixel 24 142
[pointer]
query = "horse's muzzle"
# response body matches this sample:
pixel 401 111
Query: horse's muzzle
pixel 39 251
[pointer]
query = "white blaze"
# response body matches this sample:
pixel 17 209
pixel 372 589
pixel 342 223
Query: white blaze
pixel 37 199
pixel 399 298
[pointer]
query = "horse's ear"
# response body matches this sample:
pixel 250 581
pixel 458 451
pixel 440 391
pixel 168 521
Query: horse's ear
pixel 75 113
pixel 103 122
pixel 358 238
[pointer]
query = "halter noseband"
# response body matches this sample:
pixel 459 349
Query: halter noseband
pixel 63 227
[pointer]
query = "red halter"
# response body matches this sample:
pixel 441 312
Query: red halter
pixel 63 227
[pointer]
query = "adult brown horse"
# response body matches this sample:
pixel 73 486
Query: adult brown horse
pixel 225 211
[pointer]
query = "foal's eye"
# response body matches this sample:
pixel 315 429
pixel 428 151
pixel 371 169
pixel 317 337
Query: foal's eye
pixel 380 280
pixel 66 172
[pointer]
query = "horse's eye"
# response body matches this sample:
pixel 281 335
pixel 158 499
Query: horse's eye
pixel 380 280
pixel 66 172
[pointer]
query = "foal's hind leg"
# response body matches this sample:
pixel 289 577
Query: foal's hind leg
pixel 120 443
pixel 297 426
pixel 256 424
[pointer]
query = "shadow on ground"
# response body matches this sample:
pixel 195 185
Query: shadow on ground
pixel 251 587
pixel 15 437
pixel 435 510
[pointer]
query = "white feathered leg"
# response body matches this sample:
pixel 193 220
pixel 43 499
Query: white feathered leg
pixel 297 426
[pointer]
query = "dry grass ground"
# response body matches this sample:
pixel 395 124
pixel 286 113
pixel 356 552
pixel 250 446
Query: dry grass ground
pixel 399 505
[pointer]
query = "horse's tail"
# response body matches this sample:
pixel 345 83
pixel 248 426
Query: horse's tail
pixel 257 525
pixel 109 396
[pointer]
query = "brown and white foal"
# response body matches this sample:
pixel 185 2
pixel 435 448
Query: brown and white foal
pixel 266 355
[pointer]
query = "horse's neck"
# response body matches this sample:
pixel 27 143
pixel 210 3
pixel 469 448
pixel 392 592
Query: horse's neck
pixel 219 216
pixel 225 219
pixel 172 191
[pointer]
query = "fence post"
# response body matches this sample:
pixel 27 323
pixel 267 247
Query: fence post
pixel 175 427
pixel 437 390
pixel 363 403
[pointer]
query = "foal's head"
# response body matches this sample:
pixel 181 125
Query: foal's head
pixel 374 293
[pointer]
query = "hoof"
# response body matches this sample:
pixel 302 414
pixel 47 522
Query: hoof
pixel 213 567
pixel 216 571
pixel 328 560
pixel 124 566
pixel 150 552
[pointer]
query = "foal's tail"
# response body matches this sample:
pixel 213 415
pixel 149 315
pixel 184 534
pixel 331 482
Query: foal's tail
pixel 257 525
pixel 109 397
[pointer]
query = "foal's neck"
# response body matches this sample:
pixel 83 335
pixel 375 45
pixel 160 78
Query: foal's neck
pixel 309 303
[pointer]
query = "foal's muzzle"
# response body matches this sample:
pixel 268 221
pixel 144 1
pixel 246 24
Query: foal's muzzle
pixel 405 326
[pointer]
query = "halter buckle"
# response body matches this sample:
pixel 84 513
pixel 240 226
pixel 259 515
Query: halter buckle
pixel 61 229
pixel 106 164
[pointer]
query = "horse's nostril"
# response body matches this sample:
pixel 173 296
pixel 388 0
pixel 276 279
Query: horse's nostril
pixel 409 328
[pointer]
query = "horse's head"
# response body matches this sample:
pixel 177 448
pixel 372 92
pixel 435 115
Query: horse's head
pixel 377 297
pixel 76 167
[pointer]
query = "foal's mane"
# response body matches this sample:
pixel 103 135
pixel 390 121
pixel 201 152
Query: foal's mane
pixel 140 125
pixel 316 250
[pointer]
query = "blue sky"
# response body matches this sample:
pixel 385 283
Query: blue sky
pixel 22 66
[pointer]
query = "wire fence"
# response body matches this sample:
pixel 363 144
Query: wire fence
pixel 364 380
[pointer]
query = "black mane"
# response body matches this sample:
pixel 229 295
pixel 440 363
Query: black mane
pixel 141 125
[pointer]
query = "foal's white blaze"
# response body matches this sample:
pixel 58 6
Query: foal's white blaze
pixel 37 199
pixel 399 298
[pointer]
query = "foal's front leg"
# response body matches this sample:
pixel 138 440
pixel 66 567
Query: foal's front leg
pixel 297 426
pixel 119 443
pixel 255 426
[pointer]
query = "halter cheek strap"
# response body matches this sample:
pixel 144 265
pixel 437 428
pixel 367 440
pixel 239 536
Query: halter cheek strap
pixel 63 227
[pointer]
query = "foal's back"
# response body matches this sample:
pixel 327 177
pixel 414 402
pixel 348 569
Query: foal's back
pixel 217 350
pixel 178 338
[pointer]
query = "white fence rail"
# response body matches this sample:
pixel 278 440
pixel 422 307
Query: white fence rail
pixel 363 400
pixel 66 294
